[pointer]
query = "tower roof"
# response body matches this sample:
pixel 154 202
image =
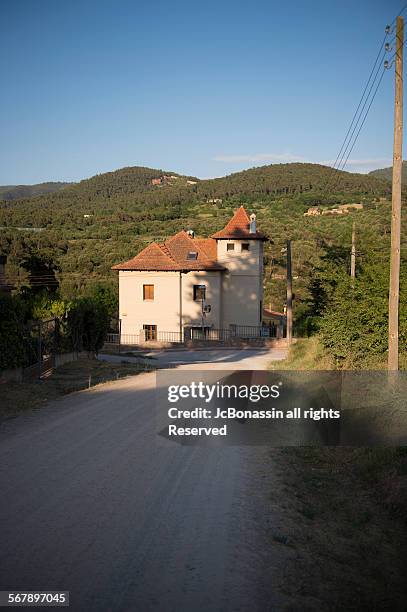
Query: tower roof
pixel 238 228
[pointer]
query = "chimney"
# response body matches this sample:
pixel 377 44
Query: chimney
pixel 252 229
pixel 191 233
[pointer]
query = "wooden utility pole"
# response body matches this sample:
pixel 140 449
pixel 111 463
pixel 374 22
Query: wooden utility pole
pixel 393 358
pixel 353 252
pixel 289 295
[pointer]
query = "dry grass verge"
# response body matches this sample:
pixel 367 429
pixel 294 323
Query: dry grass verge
pixel 344 529
pixel 342 526
pixel 74 376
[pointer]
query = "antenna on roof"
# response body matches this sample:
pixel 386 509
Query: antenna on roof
pixel 191 233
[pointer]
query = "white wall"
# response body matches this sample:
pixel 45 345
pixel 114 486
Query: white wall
pixel 234 295
pixel 191 310
pixel 164 311
pixel 243 283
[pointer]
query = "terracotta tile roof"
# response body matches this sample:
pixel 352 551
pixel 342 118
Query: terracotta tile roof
pixel 272 313
pixel 173 255
pixel 153 257
pixel 208 246
pixel 238 227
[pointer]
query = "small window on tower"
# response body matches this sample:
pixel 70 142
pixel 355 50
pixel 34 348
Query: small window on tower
pixel 245 246
pixel 230 246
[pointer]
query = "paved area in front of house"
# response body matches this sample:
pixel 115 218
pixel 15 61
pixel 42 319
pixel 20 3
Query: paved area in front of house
pixel 210 359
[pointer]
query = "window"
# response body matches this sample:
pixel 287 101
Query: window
pixel 199 293
pixel 230 246
pixel 245 246
pixel 192 255
pixel 150 332
pixel 148 292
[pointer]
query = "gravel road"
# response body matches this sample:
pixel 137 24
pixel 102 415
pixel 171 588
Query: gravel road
pixel 92 503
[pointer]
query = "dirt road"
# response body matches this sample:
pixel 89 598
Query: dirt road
pixel 93 504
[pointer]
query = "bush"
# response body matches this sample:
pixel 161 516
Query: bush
pixel 12 347
pixel 355 323
pixel 87 325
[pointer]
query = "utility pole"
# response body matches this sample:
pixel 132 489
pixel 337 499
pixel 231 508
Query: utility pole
pixel 353 252
pixel 394 288
pixel 289 295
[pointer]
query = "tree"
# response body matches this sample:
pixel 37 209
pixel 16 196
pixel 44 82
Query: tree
pixel 41 269
pixel 12 347
pixel 87 324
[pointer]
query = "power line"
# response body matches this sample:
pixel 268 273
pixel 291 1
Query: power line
pixel 359 130
pixel 354 127
pixel 342 150
pixel 349 147
pixel 398 15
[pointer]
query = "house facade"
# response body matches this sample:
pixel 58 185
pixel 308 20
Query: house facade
pixel 189 284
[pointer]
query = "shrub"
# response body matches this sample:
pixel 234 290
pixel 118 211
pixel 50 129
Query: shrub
pixel 87 325
pixel 12 347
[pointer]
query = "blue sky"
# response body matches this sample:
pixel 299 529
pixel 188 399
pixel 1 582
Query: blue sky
pixel 200 88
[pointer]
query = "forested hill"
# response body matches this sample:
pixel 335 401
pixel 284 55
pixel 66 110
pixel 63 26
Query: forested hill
pixel 289 179
pixel 17 192
pixel 129 194
pixel 87 227
pixel 387 173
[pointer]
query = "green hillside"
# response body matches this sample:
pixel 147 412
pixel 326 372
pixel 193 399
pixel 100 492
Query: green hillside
pixel 17 192
pixel 128 195
pixel 387 173
pixel 89 226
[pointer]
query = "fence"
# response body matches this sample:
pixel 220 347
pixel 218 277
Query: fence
pixel 45 349
pixel 244 332
pixel 142 338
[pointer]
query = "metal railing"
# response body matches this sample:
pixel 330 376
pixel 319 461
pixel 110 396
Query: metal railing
pixel 210 334
pixel 143 337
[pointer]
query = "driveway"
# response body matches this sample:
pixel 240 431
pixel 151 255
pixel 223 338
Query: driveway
pixel 213 359
pixel 93 502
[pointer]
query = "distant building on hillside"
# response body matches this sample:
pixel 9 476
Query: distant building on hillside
pixel 162 179
pixel 313 211
pixel 342 209
pixel 189 283
pixel 349 207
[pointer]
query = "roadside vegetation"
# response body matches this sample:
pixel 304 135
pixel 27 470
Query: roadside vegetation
pixel 305 354
pixel 89 226
pixel 344 527
pixel 343 533
pixel 17 398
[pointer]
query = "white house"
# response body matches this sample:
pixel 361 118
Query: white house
pixel 189 285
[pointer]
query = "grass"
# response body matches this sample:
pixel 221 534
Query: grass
pixel 309 354
pixel 345 516
pixel 74 376
pixel 347 525
pixel 305 354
